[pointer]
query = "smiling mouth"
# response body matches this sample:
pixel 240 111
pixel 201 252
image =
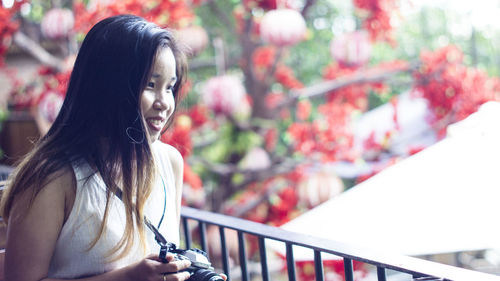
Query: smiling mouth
pixel 156 124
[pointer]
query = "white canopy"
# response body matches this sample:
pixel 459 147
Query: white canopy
pixel 444 199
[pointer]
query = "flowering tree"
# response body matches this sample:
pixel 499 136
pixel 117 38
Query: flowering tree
pixel 269 103
pixel 253 133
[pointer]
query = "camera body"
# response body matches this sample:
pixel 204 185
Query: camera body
pixel 201 269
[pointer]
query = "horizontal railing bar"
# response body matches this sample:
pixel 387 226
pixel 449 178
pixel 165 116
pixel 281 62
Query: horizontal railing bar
pixel 410 265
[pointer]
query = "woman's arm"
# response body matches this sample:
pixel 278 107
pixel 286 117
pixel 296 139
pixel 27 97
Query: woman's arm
pixel 32 231
pixel 32 235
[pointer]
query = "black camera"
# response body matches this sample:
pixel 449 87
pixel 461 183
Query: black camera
pixel 200 269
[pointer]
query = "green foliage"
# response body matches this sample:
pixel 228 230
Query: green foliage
pixel 230 141
pixel 432 28
pixel 311 56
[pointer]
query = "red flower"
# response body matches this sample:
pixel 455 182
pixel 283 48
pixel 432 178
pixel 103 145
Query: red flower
pixel 198 115
pixel 453 91
pixel 180 138
pixel 8 27
pixel 271 138
pixel 377 19
pixel 284 75
pixel 191 177
pixel 354 95
pixel 303 110
pixel 303 136
pixel 264 56
pixel 179 12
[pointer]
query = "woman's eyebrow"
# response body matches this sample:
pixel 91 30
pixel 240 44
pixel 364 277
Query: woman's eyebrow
pixel 156 75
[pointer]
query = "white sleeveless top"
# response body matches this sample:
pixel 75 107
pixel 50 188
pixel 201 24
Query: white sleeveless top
pixel 72 258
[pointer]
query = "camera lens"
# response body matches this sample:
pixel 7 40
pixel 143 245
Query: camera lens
pixel 205 275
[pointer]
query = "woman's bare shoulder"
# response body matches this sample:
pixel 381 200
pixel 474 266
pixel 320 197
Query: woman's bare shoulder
pixel 58 189
pixel 173 155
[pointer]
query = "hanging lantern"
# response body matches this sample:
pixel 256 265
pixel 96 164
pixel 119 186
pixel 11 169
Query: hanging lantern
pixel 57 23
pixel 351 49
pixel 283 27
pixel 224 94
pixel 195 37
pixel 49 105
pixel 319 186
pixel 256 159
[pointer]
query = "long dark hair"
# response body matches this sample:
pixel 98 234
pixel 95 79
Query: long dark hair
pixel 100 120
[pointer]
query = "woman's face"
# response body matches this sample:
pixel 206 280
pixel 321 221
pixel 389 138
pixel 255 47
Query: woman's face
pixel 157 100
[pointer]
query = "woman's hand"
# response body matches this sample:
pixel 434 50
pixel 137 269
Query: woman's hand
pixel 152 269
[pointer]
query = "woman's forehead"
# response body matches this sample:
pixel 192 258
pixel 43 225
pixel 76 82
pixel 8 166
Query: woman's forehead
pixel 164 64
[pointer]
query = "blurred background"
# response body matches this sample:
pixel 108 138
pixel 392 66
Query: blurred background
pixel 289 103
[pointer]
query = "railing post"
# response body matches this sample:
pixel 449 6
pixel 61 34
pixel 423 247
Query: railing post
pixel 419 269
pixel 263 259
pixel 187 234
pixel 203 236
pixel 349 272
pixel 318 265
pixel 381 274
pixel 225 255
pixel 290 262
pixel 243 257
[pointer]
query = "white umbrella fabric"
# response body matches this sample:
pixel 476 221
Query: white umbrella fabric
pixel 444 199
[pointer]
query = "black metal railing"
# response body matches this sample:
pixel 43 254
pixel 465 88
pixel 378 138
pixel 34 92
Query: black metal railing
pixel 417 269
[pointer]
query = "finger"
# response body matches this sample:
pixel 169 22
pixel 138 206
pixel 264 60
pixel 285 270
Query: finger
pixel 175 266
pixel 152 257
pixel 224 276
pixel 170 257
pixel 180 276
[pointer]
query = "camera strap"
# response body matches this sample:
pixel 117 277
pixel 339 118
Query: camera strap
pixel 165 246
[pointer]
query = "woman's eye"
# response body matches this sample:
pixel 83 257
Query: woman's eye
pixel 170 88
pixel 151 84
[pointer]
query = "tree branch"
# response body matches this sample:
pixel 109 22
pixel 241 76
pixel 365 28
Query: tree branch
pixel 263 174
pixel 222 16
pixel 306 7
pixel 39 53
pixel 331 85
pixel 243 126
pixel 216 168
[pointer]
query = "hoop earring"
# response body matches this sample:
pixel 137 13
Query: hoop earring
pixel 130 131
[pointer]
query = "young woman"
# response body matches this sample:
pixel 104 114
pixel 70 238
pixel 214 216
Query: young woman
pixel 65 220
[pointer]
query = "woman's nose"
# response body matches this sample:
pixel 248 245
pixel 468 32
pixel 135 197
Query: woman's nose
pixel 160 104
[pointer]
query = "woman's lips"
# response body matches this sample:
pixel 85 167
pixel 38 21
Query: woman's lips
pixel 155 123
